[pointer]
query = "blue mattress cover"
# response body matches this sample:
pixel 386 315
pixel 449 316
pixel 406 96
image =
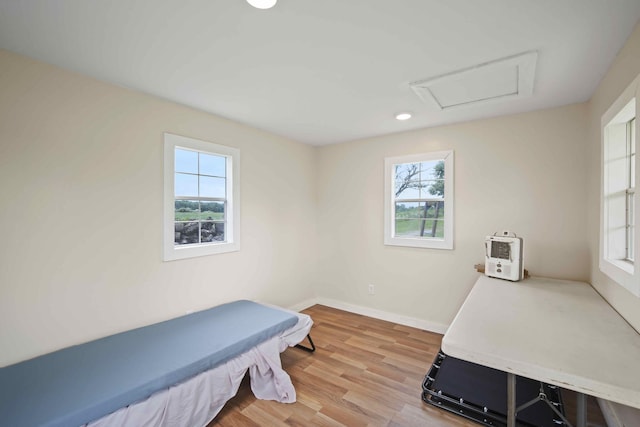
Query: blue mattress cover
pixel 78 384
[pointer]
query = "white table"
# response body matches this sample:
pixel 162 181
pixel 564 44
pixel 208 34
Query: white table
pixel 556 331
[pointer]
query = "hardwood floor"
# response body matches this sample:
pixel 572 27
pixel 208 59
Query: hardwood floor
pixel 365 372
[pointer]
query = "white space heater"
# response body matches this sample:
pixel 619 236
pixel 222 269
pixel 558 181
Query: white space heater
pixel 503 256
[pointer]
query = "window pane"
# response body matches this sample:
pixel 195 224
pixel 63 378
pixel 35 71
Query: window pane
pixel 411 191
pixel 186 233
pixel 425 228
pixel 435 210
pixel 408 227
pixel 186 185
pixel 630 226
pixel 631 250
pixel 219 235
pixel 187 210
pixel 186 161
pixel 432 169
pixel 419 180
pixel 212 211
pixel 432 189
pixel 437 227
pixel 408 171
pixel 212 165
pixel 633 135
pixel 212 187
pixel 207 231
pixel 408 210
pixel 632 175
pixel 407 176
pixel 632 149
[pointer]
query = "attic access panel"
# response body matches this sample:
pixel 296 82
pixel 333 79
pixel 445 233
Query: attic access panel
pixel 502 79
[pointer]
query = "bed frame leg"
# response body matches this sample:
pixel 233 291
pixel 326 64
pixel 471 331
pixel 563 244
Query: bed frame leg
pixel 309 349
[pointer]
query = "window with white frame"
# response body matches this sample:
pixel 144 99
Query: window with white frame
pixel 618 237
pixel 201 198
pixel 419 200
pixel 630 191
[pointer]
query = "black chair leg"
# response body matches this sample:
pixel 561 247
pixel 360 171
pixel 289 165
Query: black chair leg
pixel 309 349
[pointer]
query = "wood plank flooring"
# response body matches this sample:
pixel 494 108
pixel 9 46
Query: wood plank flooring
pixel 365 372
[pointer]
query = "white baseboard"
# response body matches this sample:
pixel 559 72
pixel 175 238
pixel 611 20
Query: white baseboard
pixel 439 328
pixel 303 304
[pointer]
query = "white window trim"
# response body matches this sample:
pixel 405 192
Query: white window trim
pixel 620 271
pixel 232 227
pixel 389 200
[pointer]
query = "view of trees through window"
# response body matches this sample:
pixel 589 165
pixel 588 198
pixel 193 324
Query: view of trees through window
pixel 419 199
pixel 200 197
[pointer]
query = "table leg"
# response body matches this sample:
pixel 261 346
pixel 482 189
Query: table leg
pixel 511 400
pixel 581 405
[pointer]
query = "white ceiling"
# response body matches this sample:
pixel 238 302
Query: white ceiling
pixel 322 71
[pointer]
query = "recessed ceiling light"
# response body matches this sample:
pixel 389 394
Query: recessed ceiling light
pixel 262 4
pixel 403 116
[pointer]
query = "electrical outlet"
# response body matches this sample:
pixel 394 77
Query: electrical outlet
pixel 372 290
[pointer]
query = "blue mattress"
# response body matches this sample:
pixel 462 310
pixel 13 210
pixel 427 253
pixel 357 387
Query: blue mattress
pixel 75 385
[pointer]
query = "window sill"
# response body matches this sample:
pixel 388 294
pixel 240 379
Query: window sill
pixel 182 252
pixel 622 264
pixel 622 272
pixel 418 243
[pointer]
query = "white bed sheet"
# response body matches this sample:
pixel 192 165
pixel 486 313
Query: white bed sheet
pixel 196 401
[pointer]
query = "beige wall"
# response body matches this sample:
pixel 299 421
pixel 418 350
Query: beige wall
pixel 80 218
pixel 81 212
pixel 524 172
pixel 621 73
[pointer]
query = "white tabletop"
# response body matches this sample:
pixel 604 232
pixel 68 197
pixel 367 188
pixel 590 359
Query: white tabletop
pixel 555 331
